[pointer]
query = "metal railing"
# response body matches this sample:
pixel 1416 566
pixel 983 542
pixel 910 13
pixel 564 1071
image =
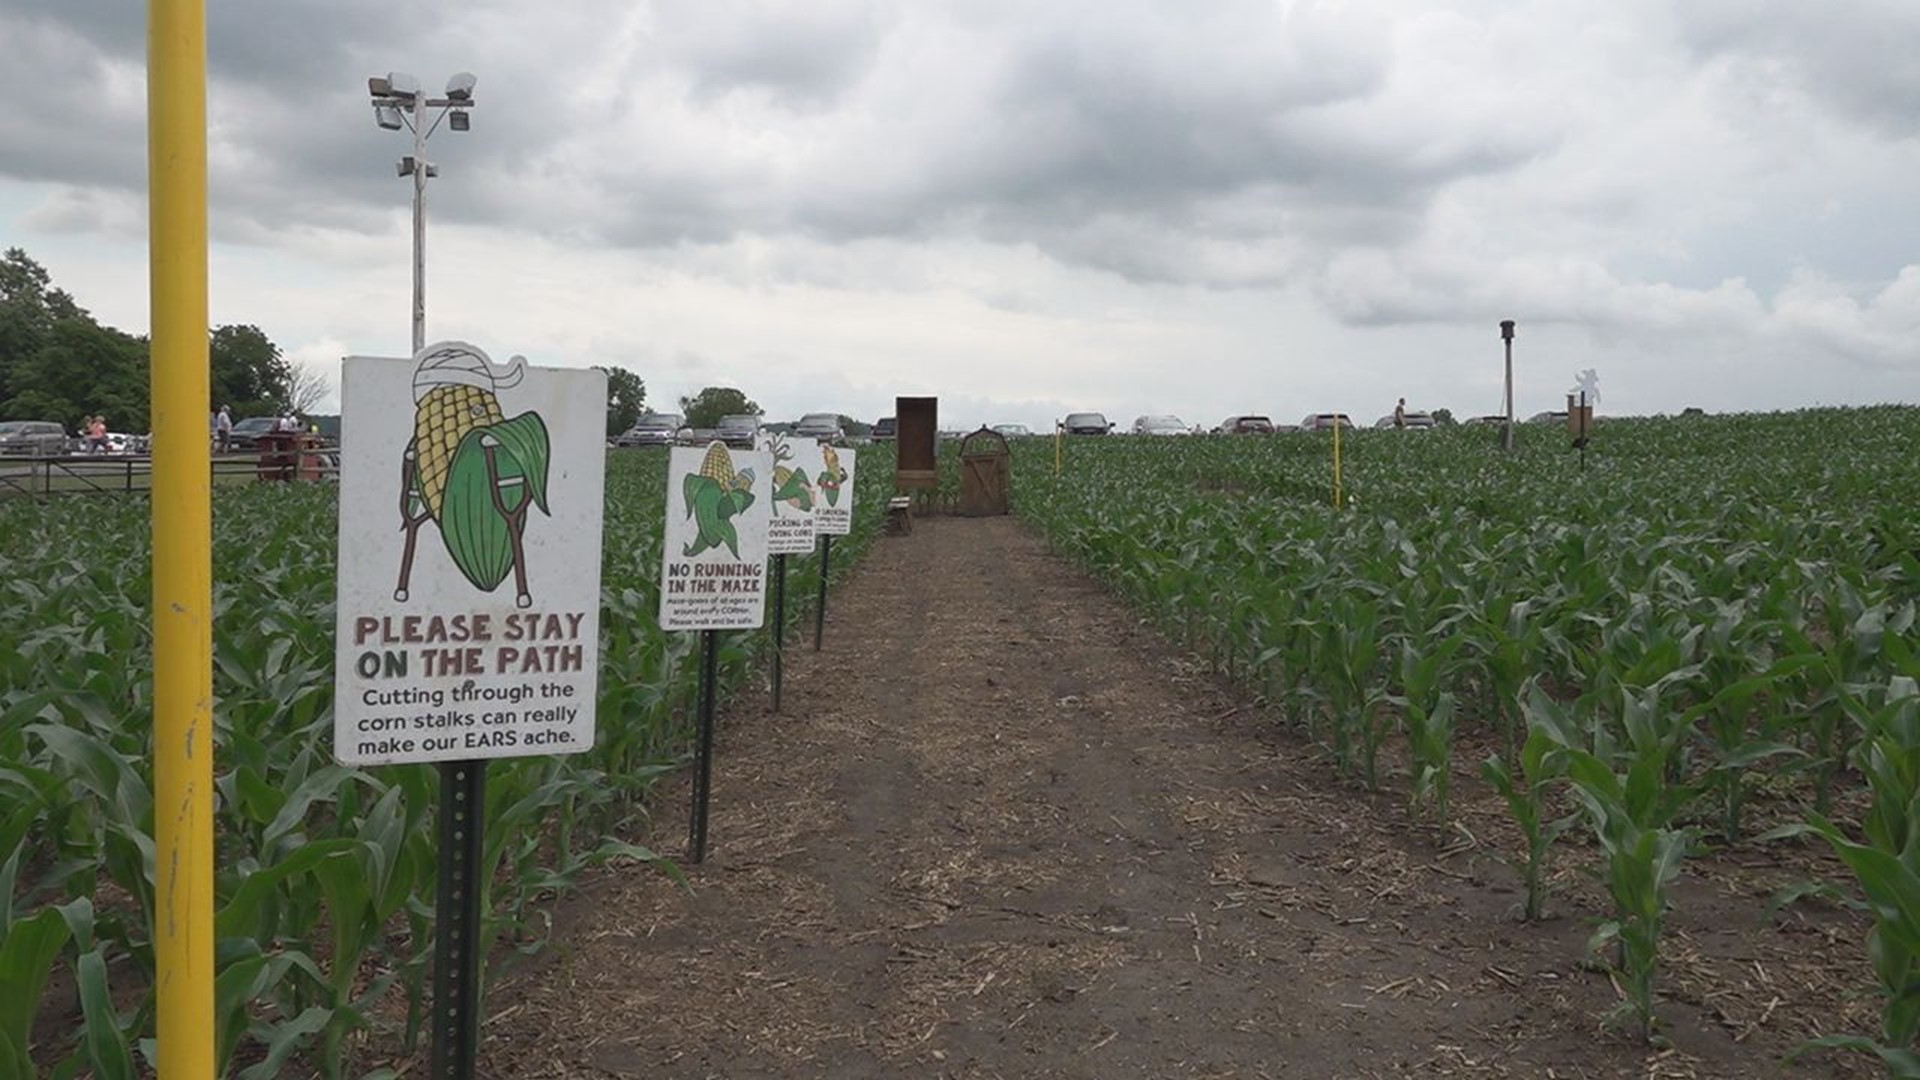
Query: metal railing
pixel 84 474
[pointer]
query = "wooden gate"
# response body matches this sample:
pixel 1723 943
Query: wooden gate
pixel 986 474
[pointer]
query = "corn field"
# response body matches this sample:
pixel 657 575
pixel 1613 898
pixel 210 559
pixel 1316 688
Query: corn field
pixel 325 874
pixel 1703 638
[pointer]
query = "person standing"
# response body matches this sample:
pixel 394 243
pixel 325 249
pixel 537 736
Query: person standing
pixel 1400 413
pixel 97 435
pixel 223 429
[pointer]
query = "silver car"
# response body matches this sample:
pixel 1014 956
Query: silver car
pixel 32 438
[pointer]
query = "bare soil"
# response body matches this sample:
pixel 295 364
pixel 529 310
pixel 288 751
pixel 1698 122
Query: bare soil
pixel 1001 829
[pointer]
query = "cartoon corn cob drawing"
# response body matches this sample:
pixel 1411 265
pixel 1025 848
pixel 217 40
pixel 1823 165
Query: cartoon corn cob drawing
pixel 714 495
pixel 831 475
pixel 470 470
pixel 790 485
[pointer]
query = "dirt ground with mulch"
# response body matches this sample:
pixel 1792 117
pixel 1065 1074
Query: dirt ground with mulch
pixel 1001 829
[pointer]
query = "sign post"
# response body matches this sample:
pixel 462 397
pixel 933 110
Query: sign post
pixel 713 575
pixel 789 527
pixel 468 622
pixel 832 517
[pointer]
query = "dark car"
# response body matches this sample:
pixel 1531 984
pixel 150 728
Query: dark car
pixel 695 436
pixel 246 433
pixel 821 426
pixel 1246 425
pixel 653 429
pixel 741 430
pixel 883 429
pixel 1086 423
pixel 34 438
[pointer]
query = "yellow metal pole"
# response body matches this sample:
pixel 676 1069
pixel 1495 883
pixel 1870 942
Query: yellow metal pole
pixel 1336 462
pixel 182 538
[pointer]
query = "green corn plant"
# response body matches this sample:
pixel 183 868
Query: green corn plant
pixel 1631 801
pixel 1551 731
pixel 1427 713
pixel 1887 868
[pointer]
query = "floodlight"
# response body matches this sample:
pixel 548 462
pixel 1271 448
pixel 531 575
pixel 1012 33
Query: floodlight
pixel 405 166
pixel 401 84
pixel 387 116
pixel 378 86
pixel 460 87
pixel 457 120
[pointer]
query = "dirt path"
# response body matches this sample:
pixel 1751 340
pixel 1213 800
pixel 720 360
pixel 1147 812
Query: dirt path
pixel 1002 831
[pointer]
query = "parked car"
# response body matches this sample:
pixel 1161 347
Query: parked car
pixel 1483 421
pixel 1550 417
pixel 1086 423
pixel 1325 421
pixel 883 429
pixel 1012 431
pixel 246 433
pixel 1413 421
pixel 1160 425
pixel 823 426
pixel 740 430
pixel 35 438
pixel 652 429
pixel 1245 425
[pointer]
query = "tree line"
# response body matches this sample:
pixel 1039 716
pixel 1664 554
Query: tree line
pixel 59 363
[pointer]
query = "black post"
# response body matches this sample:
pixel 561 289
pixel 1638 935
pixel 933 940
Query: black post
pixel 703 765
pixel 1584 425
pixel 456 945
pixel 779 622
pixel 1506 335
pixel 820 609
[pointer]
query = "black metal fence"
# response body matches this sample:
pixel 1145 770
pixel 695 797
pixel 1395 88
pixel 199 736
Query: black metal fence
pixel 126 473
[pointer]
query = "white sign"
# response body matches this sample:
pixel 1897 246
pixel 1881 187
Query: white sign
pixel 468 620
pixel 714 572
pixel 790 524
pixel 833 478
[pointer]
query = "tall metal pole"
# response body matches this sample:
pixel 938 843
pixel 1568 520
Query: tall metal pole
pixel 419 222
pixel 1506 335
pixel 820 609
pixel 182 539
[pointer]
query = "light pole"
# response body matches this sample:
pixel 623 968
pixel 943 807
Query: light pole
pixel 1506 335
pixel 397 103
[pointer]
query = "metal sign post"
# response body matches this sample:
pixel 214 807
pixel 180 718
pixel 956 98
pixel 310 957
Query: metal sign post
pixel 703 761
pixel 779 623
pixel 456 944
pixel 470 631
pixel 820 608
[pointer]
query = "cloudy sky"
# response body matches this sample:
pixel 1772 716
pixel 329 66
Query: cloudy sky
pixel 1025 207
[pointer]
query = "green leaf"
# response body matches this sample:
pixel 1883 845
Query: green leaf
pixel 106 1044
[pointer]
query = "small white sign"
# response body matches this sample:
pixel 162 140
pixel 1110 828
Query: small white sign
pixel 714 572
pixel 790 524
pixel 833 479
pixel 468 611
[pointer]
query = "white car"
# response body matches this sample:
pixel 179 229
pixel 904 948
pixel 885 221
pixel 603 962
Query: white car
pixel 1160 425
pixel 1413 421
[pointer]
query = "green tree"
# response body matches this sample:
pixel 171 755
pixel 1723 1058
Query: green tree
pixel 247 372
pixel 83 369
pixel 626 399
pixel 1443 418
pixel 857 428
pixel 704 410
pixel 29 308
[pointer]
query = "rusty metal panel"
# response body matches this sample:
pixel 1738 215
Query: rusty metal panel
pixel 917 428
